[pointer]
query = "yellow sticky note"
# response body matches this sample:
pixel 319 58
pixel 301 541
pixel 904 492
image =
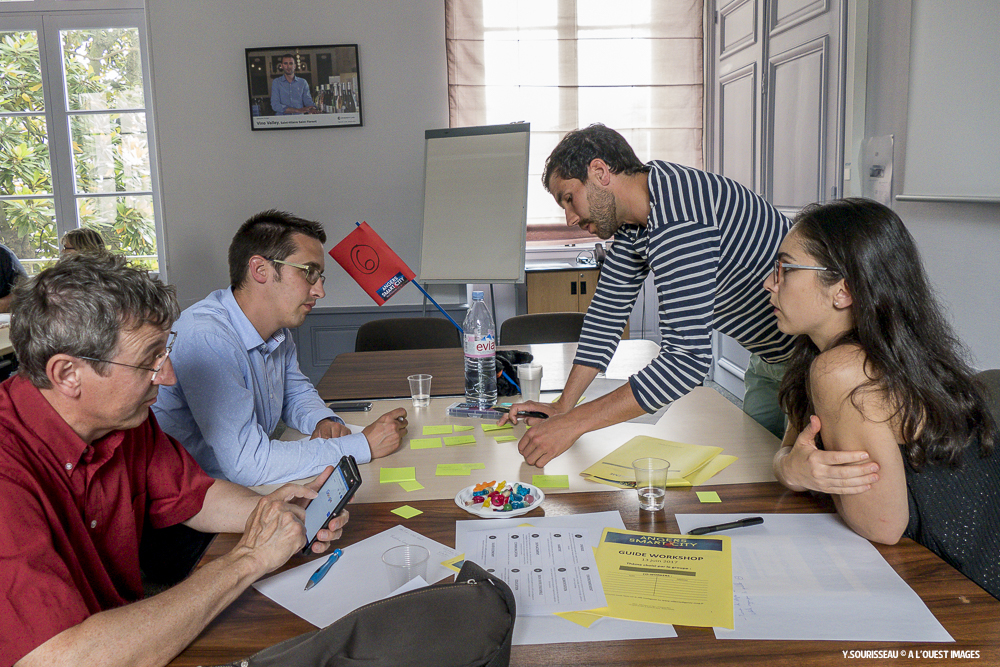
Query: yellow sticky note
pixel 425 443
pixel 458 429
pixel 413 485
pixel 437 430
pixel 476 466
pixel 550 481
pixel 460 440
pixel 455 563
pixel 493 427
pixel 584 618
pixel 506 438
pixel 396 475
pixel 453 469
pixel 708 497
pixel 406 511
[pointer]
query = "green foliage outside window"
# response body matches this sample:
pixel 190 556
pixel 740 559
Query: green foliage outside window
pixel 110 153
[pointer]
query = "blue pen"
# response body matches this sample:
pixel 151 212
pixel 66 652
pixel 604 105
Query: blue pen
pixel 324 568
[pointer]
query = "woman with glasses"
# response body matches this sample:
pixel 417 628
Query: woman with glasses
pixel 878 374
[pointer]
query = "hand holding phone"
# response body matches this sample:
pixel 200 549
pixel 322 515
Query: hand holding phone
pixel 331 498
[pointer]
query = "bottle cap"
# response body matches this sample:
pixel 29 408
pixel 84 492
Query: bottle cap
pixel 477 296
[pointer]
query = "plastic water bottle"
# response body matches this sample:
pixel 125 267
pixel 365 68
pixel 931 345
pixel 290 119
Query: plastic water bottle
pixel 480 354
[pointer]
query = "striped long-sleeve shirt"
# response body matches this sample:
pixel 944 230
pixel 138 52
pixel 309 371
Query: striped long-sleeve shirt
pixel 709 242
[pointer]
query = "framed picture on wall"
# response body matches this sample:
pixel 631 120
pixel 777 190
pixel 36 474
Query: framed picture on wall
pixel 299 87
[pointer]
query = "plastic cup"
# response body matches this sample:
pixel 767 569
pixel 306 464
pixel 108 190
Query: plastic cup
pixel 651 482
pixel 530 378
pixel 405 562
pixel 420 390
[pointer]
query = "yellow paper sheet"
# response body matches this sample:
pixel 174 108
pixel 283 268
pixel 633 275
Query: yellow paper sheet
pixel 487 428
pixel 676 579
pixel 550 481
pixel 442 429
pixel 453 469
pixel 459 429
pixel 708 496
pixel 506 438
pixel 712 468
pixel 406 511
pixel 425 443
pixel 616 467
pixel 387 475
pixel 413 485
pixel 454 440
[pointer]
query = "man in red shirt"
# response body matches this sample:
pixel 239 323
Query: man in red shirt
pixel 85 469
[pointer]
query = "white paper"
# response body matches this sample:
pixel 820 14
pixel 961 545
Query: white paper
pixel 548 569
pixel 810 577
pixel 355 580
pixel 554 629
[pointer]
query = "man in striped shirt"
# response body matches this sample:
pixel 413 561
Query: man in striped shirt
pixel 709 243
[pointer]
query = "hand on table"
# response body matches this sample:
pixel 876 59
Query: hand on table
pixel 328 428
pixel 530 406
pixel 547 438
pixel 386 433
pixel 804 466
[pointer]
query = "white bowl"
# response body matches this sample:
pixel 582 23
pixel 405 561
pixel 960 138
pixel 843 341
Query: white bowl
pixel 466 494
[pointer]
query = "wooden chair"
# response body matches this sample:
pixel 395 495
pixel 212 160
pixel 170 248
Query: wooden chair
pixel 406 333
pixel 541 328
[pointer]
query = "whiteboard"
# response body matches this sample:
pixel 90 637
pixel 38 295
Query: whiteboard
pixel 952 142
pixel 475 204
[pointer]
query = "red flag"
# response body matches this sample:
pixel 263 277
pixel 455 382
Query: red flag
pixel 373 265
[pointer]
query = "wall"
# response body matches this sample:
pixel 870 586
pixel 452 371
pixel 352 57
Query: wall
pixel 215 172
pixel 959 242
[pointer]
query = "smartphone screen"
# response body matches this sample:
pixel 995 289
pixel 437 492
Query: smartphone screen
pixel 331 498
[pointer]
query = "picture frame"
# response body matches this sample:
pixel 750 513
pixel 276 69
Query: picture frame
pixel 303 87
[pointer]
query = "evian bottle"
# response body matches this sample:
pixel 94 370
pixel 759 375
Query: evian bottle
pixel 480 355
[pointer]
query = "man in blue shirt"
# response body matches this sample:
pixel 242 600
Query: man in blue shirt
pixel 290 93
pixel 237 371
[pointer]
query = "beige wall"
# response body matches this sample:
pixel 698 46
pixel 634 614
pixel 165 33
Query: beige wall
pixel 215 171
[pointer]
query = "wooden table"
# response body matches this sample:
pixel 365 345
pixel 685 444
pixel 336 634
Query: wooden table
pixel 254 622
pixel 369 375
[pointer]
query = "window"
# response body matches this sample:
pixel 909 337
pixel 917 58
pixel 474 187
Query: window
pixel 75 142
pixel 634 65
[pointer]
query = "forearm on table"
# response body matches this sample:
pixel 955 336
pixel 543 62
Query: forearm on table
pixel 152 631
pixel 614 408
pixel 579 379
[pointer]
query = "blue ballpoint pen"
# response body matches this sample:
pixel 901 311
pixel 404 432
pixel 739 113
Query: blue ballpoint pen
pixel 318 575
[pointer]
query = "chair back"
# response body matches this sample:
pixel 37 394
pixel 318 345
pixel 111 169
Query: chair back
pixel 406 333
pixel 991 381
pixel 541 328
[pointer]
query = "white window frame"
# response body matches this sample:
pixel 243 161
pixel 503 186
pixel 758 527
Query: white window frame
pixel 47 18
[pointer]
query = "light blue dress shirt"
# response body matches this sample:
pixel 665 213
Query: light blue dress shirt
pixel 232 389
pixel 293 94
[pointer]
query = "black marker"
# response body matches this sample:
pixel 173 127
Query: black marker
pixel 742 523
pixel 522 413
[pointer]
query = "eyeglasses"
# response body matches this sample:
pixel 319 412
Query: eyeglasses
pixel 313 273
pixel 779 269
pixel 162 358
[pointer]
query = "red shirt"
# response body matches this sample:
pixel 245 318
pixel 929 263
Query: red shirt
pixel 71 516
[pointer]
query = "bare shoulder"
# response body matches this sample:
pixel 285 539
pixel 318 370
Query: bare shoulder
pixel 835 378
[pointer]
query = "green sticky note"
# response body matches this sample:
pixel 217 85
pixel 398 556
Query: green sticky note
pixel 506 438
pixel 451 441
pixel 413 485
pixel 458 429
pixel 708 497
pixel 493 427
pixel 437 430
pixel 550 481
pixel 406 511
pixel 386 475
pixel 453 469
pixel 476 466
pixel 425 443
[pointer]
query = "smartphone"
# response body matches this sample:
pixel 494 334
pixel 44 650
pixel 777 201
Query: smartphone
pixel 349 406
pixel 333 495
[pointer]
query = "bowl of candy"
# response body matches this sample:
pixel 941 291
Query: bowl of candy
pixel 493 500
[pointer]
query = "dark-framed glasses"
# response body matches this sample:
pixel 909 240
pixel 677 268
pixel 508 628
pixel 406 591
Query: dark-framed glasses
pixel 159 360
pixel 313 273
pixel 780 268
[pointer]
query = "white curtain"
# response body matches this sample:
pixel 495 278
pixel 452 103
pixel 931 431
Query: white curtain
pixel 634 65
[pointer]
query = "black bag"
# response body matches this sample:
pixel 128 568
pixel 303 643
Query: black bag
pixel 466 624
pixel 507 361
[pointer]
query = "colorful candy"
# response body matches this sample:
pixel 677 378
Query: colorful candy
pixel 500 497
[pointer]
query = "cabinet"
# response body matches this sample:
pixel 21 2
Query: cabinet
pixel 562 291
